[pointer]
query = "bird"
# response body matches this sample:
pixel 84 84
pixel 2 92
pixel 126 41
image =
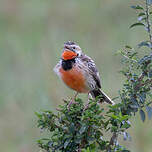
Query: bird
pixel 79 72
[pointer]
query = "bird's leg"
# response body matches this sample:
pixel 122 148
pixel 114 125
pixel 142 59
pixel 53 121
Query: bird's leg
pixel 87 104
pixel 73 100
pixel 75 96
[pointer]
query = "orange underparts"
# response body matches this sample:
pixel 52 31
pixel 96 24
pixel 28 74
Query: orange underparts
pixel 74 79
pixel 68 55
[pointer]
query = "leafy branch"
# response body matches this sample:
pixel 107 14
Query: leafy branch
pixel 82 129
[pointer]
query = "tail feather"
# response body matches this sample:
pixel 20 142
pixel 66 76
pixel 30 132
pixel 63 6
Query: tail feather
pixel 96 93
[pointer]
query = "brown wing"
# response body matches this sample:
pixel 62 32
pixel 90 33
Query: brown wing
pixel 92 69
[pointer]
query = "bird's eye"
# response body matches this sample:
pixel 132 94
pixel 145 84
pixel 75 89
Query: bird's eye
pixel 74 47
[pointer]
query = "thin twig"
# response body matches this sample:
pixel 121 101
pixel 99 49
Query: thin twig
pixel 113 140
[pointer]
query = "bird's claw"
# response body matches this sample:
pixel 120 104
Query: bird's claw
pixel 72 101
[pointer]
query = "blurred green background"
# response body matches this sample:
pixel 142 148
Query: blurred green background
pixel 32 33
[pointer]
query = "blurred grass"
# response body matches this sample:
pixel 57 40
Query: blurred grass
pixel 32 33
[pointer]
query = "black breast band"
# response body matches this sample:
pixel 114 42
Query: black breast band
pixel 67 64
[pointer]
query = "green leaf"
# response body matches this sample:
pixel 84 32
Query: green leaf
pixel 67 142
pixel 141 14
pixel 124 117
pixel 72 128
pixel 114 116
pixel 133 55
pixel 142 97
pixel 144 43
pixel 128 47
pixel 38 115
pixel 137 24
pixel 88 149
pixel 82 129
pixel 137 7
pixel 142 115
pixel 150 74
pixel 149 112
pixel 144 59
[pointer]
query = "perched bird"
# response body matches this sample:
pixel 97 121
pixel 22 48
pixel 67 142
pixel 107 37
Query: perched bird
pixel 79 72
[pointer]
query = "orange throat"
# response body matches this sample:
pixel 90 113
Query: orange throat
pixel 68 55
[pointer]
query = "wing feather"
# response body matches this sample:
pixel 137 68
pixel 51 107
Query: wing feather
pixel 92 69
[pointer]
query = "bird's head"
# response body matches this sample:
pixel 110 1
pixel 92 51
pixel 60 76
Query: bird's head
pixel 71 50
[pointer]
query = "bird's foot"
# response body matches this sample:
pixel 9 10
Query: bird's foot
pixel 87 104
pixel 72 101
pixel 86 107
